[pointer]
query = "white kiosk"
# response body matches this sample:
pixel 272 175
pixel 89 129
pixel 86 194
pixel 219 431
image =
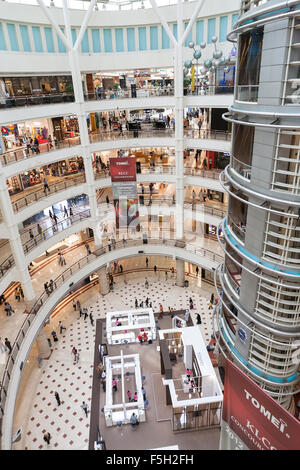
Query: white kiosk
pixel 126 326
pixel 118 367
pixel 194 389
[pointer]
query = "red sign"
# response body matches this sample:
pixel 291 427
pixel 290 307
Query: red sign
pixel 122 169
pixel 256 418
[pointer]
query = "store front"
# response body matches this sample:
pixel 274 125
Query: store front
pixel 35 86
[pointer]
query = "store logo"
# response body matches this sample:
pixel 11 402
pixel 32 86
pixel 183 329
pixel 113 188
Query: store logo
pixel 242 335
pixel 277 422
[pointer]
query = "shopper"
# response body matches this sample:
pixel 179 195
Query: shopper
pixel 197 270
pixel 129 395
pixel 146 283
pixel 91 319
pixel 31 234
pixel 51 285
pixel 46 186
pixel 66 212
pixel 210 305
pixel 54 336
pixel 147 262
pixel 135 397
pixel 109 244
pixel 155 269
pixel 107 200
pixel 8 345
pixel 212 298
pixel 144 393
pixel 85 408
pixel 187 315
pixel 160 315
pixel 74 305
pixel 78 306
pixel 88 250
pixel 133 420
pixel 76 358
pixel 8 309
pixel 61 327
pixel 166 275
pixel 199 319
pixel 74 352
pixel 114 385
pixel 57 398
pixel 85 313
pixel 47 437
pixel 136 303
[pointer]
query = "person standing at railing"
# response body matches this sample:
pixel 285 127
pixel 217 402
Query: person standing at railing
pixel 36 146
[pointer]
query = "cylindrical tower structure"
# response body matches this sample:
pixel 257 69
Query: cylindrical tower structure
pixel 258 315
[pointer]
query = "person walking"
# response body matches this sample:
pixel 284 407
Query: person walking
pixel 47 437
pixel 107 200
pixel 85 408
pixel 76 358
pixel 85 313
pixel 91 319
pixel 54 336
pixel 197 270
pixel 144 393
pixel 57 398
pixel 46 186
pixel 31 234
pixel 124 240
pixel 166 275
pixel 109 244
pixel 74 305
pixel 114 385
pixel 63 261
pixel 199 321
pixel 8 345
pixel 61 327
pixel 74 352
pixel 155 269
pixel 136 303
pixel 51 285
pixel 212 298
pixel 88 250
pixel 66 212
pixel 129 395
pixel 55 219
pixel 147 262
pixel 160 315
pixel 146 283
pixel 187 315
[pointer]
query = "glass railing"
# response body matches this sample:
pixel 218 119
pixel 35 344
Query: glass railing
pixel 238 230
pixel 212 174
pixel 248 93
pixel 24 152
pixel 24 201
pixel 210 90
pixel 133 134
pixel 241 168
pixel 33 100
pixel 54 229
pixel 122 93
pixel 207 134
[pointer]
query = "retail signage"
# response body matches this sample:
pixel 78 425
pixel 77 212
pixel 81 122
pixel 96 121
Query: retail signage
pixel 124 187
pixel 251 419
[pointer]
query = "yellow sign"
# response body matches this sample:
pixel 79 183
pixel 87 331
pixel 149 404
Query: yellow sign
pixel 193 78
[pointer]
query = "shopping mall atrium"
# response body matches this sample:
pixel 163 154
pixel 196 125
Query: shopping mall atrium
pixel 149 225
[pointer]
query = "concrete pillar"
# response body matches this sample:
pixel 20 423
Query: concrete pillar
pixel 43 345
pixel 180 274
pixel 103 281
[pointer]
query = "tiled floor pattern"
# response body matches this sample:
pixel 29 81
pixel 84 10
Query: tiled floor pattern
pixel 67 423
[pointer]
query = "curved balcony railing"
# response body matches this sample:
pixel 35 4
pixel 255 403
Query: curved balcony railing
pixel 241 168
pixel 51 231
pixel 25 201
pixel 105 136
pixel 207 134
pixel 126 93
pixel 65 276
pixel 33 100
pixel 23 153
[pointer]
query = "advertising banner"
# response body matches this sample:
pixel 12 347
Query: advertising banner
pixel 124 187
pixel 253 420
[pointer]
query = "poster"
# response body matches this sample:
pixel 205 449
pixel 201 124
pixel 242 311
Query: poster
pixel 124 187
pixel 251 419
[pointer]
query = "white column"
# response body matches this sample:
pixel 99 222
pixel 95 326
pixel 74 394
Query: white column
pixel 15 241
pixel 179 144
pixel 103 281
pixel 180 274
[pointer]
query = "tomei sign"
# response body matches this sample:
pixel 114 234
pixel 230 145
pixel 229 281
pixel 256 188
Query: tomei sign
pixel 251 419
pixel 124 187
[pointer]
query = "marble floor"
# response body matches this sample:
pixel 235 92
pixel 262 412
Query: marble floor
pixel 37 410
